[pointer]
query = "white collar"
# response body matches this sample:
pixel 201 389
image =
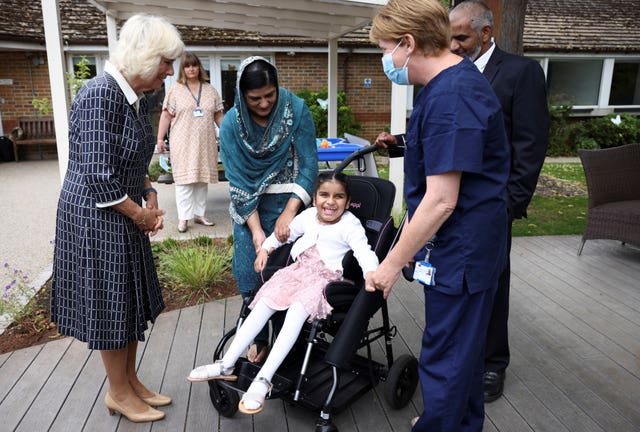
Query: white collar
pixel 481 62
pixel 129 93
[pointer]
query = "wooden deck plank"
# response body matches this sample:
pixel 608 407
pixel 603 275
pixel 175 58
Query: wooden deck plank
pixel 201 415
pixel 608 272
pixel 530 408
pixel 606 331
pixel 45 408
pixel 152 359
pixel 614 288
pixel 14 367
pixel 576 406
pixel 505 417
pixel 82 397
pixel 603 353
pixel 24 392
pixel 541 393
pixel 398 419
pixel 535 321
pixel 239 422
pixel 4 357
pixel 575 358
pixel 179 360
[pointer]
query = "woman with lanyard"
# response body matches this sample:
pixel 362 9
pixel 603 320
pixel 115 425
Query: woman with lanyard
pixel 268 144
pixel 191 106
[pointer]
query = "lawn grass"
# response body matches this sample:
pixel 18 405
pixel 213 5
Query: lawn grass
pixel 552 216
pixel 561 215
pixel 571 171
pixel 558 215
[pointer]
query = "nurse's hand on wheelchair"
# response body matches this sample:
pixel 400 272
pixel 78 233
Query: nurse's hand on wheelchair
pixel 382 279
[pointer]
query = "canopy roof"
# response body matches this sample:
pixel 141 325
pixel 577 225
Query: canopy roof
pixel 320 19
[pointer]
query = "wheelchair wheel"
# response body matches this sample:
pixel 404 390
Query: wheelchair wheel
pixel 224 399
pixel 401 381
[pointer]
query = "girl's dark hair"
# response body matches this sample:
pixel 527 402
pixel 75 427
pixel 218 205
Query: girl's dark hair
pixel 341 178
pixel 257 75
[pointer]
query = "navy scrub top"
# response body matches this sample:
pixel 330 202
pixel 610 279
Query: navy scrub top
pixel 457 125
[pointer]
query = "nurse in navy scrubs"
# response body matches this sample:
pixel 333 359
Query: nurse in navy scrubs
pixel 456 170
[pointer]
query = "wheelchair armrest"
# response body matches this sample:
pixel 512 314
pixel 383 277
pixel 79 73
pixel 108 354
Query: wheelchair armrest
pixel 355 323
pixel 340 294
pixel 350 268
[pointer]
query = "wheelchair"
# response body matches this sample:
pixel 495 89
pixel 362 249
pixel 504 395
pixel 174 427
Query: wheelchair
pixel 324 371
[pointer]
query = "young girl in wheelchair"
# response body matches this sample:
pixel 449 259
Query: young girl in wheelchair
pixel 324 234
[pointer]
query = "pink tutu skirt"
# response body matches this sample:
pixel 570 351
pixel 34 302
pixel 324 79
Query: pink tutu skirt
pixel 303 282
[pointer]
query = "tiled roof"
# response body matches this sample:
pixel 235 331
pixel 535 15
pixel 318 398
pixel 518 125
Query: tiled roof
pixel 582 26
pixel 83 23
pixel 550 26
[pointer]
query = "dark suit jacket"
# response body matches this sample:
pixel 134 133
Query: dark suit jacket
pixel 520 85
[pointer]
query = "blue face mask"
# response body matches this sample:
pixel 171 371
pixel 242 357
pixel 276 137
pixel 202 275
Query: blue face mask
pixel 400 75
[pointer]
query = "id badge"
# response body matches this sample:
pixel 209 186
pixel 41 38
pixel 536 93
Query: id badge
pixel 197 112
pixel 424 272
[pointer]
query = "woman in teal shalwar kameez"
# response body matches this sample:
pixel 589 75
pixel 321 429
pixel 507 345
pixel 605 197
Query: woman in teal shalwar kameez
pixel 268 147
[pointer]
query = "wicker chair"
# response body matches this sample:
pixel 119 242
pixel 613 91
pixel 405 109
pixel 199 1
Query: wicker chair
pixel 613 183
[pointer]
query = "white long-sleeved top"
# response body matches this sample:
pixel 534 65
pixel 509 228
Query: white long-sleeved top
pixel 332 240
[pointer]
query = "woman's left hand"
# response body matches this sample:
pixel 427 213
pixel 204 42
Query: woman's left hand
pixel 152 200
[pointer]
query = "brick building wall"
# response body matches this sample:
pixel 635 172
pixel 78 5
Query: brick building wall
pixel 371 106
pixel 29 82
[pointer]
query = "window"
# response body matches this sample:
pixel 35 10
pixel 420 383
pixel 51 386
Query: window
pixel 90 63
pixel 206 64
pixel 228 74
pixel 625 83
pixel 574 82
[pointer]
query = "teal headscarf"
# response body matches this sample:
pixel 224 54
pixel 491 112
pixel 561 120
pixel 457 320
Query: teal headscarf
pixel 253 156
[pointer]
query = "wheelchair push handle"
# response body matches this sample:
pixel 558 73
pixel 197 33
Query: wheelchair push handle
pixel 358 154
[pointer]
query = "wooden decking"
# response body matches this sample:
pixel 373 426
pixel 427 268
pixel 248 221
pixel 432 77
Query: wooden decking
pixel 575 338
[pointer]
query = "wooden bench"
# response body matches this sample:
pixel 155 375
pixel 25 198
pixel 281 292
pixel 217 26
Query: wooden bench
pixel 33 131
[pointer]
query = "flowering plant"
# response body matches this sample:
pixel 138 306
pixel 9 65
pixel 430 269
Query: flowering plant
pixel 14 301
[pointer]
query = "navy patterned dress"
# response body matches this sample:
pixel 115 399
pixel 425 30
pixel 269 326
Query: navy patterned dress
pixel 105 287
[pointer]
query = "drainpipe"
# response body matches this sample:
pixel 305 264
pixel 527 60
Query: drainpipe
pixel 345 70
pixel 33 89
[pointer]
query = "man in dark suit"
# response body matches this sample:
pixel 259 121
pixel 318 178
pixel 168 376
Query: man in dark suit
pixel 520 85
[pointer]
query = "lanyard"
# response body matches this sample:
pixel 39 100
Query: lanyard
pixel 199 94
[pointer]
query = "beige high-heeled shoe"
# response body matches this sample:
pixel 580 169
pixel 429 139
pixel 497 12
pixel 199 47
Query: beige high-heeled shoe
pixel 151 414
pixel 157 400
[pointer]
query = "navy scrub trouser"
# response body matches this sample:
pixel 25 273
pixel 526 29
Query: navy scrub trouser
pixel 452 360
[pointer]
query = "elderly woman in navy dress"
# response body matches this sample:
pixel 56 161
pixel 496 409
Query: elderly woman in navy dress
pixel 105 287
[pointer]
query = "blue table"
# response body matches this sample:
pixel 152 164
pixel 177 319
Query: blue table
pixel 338 149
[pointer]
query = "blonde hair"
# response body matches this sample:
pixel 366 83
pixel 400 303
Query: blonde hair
pixel 190 59
pixel 144 40
pixel 426 20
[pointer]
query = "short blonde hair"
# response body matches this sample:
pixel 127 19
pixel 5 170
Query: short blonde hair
pixel 426 20
pixel 144 40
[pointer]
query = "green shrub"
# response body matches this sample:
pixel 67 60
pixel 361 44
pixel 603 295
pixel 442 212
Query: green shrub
pixel 154 170
pixel 606 133
pixel 346 119
pixel 197 266
pixel 560 131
